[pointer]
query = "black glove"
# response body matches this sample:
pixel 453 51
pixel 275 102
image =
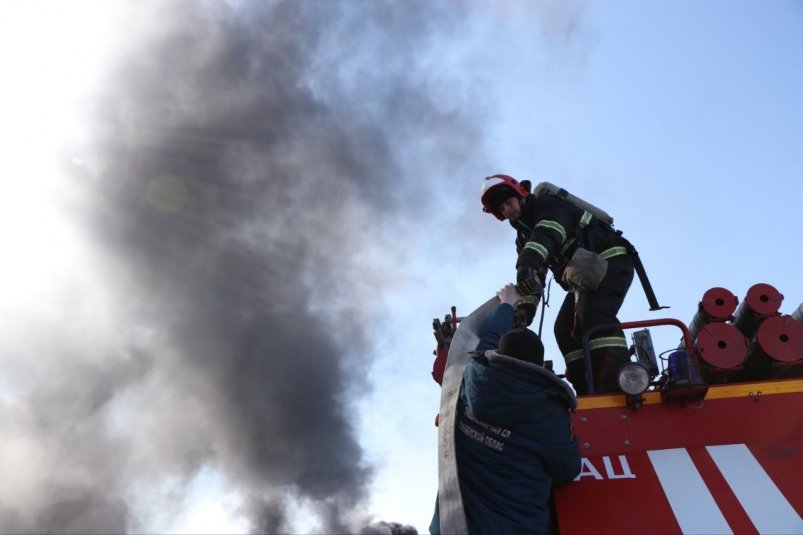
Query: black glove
pixel 528 282
pixel 525 311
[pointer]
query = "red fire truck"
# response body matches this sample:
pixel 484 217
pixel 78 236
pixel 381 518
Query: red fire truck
pixel 706 438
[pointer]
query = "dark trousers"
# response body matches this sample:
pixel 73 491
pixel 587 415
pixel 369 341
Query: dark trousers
pixel 596 307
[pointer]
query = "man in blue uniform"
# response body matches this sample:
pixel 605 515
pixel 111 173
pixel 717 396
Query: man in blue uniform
pixel 513 436
pixel 553 233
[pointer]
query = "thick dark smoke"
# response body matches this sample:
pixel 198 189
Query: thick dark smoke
pixel 388 528
pixel 253 169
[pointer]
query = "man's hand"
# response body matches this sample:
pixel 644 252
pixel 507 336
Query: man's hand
pixel 509 294
pixel 528 282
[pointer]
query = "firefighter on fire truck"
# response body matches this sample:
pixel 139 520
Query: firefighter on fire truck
pixel 589 259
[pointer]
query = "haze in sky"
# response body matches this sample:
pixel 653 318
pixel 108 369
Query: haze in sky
pixel 228 226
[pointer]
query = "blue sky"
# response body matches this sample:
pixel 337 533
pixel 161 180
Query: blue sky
pixel 683 120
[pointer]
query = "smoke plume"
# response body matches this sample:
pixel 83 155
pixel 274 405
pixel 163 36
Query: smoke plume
pixel 243 203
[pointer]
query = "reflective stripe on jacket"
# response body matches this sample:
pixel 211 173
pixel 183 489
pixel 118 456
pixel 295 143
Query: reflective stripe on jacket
pixel 551 228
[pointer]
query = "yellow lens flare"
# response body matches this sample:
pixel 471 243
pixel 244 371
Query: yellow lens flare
pixel 168 194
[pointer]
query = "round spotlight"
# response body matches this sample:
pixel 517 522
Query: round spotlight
pixel 634 378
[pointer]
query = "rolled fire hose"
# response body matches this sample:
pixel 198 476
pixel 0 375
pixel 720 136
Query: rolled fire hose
pixel 466 338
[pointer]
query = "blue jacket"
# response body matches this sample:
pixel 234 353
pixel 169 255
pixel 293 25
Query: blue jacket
pixel 513 440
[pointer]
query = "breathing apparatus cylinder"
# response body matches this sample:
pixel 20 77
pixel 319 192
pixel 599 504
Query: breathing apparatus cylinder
pixel 547 188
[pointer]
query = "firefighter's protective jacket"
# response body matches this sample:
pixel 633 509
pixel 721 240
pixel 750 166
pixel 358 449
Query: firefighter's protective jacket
pixel 550 229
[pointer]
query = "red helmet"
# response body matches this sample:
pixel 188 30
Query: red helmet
pixel 498 188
